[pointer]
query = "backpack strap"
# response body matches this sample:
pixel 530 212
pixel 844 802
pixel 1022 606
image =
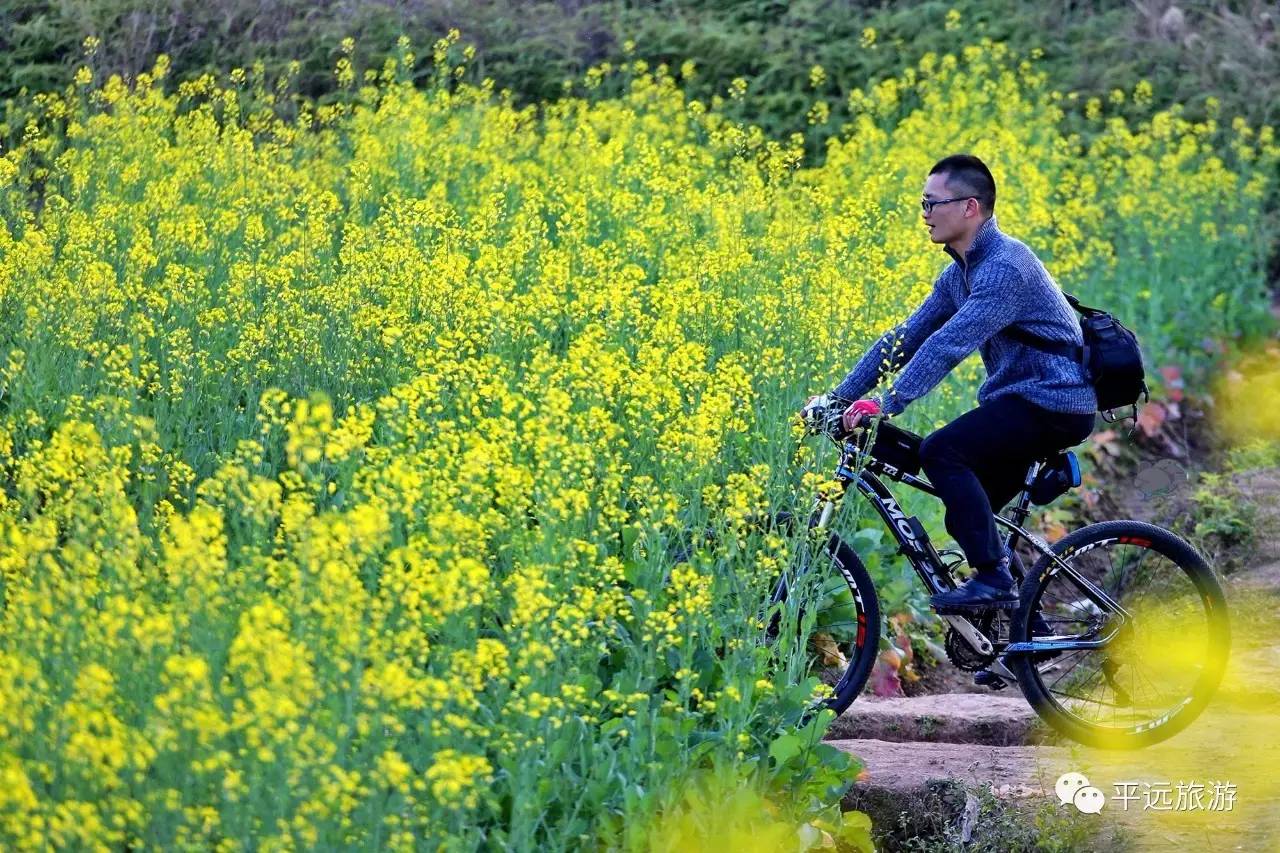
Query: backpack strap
pixel 1078 353
pixel 1083 309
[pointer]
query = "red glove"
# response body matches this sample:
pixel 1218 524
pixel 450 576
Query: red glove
pixel 857 411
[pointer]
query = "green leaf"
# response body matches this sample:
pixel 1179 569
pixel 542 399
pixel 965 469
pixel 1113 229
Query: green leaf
pixel 785 748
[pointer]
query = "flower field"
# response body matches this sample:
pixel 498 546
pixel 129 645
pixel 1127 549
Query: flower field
pixel 343 444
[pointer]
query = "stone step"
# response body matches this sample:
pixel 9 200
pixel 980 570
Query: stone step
pixel 921 789
pixel 917 789
pixel 905 767
pixel 998 719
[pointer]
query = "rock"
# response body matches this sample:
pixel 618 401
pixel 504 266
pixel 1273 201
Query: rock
pixel 906 768
pixel 925 790
pixel 1172 24
pixel 976 718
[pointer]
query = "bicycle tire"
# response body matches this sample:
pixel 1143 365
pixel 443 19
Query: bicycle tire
pixel 861 653
pixel 1203 580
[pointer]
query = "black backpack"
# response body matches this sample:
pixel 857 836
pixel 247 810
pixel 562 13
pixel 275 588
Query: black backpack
pixel 1111 357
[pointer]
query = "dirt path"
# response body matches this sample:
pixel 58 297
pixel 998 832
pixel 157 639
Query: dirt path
pixel 968 739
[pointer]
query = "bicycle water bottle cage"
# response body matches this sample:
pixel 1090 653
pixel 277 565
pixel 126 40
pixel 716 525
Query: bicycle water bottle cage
pixel 1059 473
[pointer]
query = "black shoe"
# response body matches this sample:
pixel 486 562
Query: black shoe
pixel 975 594
pixel 987 678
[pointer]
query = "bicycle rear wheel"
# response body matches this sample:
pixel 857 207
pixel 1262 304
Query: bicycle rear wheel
pixel 1154 612
pixel 838 616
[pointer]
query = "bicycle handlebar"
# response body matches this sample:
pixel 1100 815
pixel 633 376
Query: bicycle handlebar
pixel 825 416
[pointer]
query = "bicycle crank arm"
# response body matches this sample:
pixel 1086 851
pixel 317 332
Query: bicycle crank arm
pixel 999 669
pixel 976 639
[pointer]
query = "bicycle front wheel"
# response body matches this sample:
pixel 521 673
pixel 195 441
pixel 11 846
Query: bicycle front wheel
pixel 837 613
pixel 1131 643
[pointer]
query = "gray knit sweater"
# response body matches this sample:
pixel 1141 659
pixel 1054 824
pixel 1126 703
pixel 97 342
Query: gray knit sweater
pixel 997 284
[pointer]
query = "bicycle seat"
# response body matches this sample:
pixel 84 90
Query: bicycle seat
pixel 1059 472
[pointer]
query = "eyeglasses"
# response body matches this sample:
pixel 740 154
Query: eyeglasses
pixel 928 205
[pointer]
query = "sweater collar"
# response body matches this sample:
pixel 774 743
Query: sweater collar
pixel 982 242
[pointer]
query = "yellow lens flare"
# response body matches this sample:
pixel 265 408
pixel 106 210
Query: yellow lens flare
pixel 1149 666
pixel 717 813
pixel 1213 784
pixel 1215 780
pixel 1247 398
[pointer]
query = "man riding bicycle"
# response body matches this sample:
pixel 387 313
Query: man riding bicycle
pixel 1033 402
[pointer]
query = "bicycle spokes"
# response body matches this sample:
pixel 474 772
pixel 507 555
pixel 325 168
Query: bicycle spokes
pixel 1147 654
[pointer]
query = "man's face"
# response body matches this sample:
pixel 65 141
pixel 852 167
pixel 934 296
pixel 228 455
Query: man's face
pixel 947 222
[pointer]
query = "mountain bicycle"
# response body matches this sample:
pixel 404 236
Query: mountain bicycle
pixel 1120 635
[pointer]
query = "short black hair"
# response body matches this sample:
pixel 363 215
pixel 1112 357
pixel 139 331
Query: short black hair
pixel 968 175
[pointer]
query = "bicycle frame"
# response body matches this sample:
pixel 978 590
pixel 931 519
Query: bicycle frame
pixel 915 545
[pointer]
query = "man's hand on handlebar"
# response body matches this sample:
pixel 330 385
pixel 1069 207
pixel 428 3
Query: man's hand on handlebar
pixel 859 411
pixel 829 415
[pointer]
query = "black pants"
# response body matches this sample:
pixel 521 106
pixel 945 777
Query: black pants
pixel 979 461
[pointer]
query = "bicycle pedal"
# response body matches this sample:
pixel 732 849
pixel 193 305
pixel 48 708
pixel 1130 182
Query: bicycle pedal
pixel 987 678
